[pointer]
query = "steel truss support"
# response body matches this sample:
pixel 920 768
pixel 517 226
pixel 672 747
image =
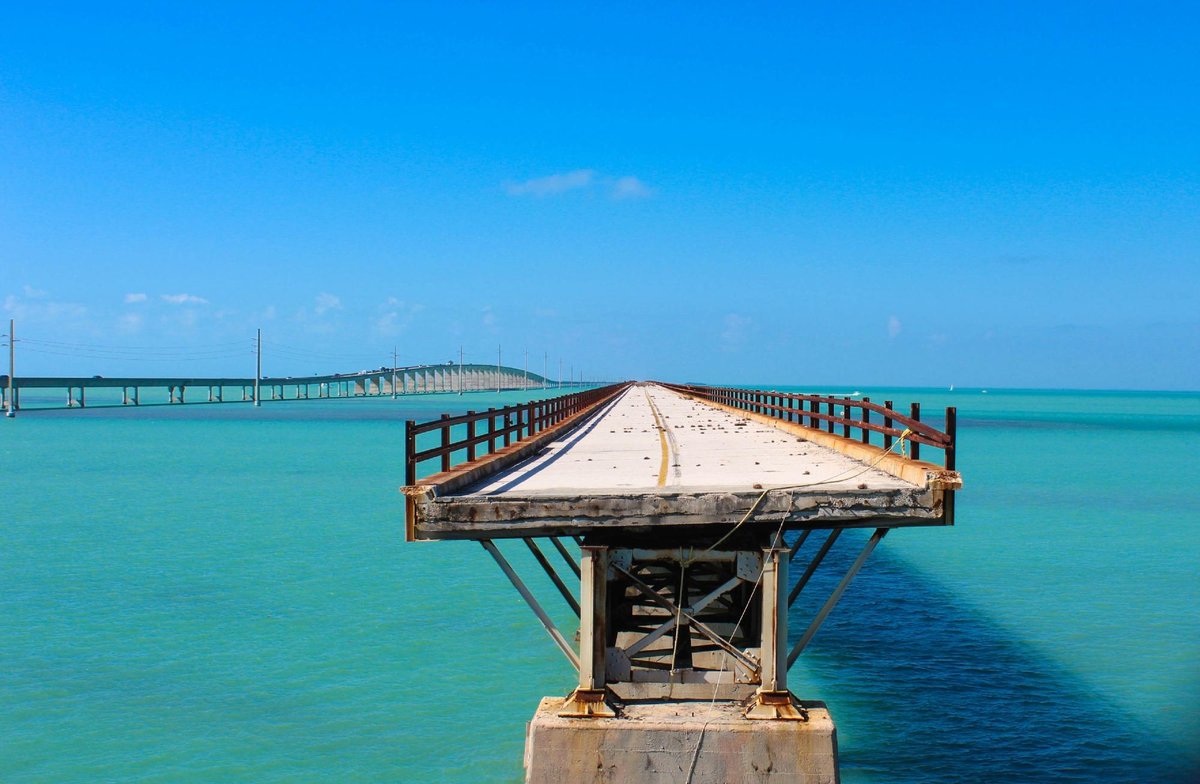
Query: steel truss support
pixel 812 566
pixel 836 595
pixel 683 623
pixel 547 624
pixel 553 575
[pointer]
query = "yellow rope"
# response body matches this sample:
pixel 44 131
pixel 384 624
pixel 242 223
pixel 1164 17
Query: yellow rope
pixel 900 442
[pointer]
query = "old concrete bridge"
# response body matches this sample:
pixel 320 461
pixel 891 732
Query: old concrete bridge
pixel 679 511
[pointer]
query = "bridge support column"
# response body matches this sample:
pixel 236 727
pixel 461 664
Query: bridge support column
pixel 690 646
pixel 591 697
pixel 773 700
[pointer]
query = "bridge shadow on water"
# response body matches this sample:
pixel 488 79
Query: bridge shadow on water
pixel 931 690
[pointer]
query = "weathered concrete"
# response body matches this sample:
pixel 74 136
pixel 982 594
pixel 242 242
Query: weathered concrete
pixel 698 742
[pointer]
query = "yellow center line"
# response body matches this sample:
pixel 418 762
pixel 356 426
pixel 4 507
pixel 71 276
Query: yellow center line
pixel 662 438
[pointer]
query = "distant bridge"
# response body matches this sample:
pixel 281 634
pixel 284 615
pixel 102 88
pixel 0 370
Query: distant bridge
pixel 384 381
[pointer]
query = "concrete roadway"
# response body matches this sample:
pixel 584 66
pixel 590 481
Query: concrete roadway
pixel 654 440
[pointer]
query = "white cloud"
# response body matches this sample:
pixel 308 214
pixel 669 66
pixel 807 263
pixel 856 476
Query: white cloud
pixel 132 298
pixel 627 187
pixel 129 323
pixel 554 183
pixel 24 310
pixel 488 320
pixel 630 188
pixel 395 316
pixel 33 293
pixel 893 326
pixel 327 302
pixel 184 299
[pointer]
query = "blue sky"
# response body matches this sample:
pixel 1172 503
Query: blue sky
pixel 991 195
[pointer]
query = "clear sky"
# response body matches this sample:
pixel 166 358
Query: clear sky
pixel 977 194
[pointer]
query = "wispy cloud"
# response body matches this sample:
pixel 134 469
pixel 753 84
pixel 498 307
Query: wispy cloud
pixel 130 323
pixel 552 184
pixel 327 302
pixel 183 299
pixel 34 309
pixel 630 187
pixel 395 316
pixel 894 327
pixel 134 297
pixel 33 293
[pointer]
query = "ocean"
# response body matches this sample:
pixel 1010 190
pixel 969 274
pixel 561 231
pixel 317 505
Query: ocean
pixel 222 593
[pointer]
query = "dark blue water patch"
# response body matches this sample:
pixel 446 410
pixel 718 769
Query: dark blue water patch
pixel 940 693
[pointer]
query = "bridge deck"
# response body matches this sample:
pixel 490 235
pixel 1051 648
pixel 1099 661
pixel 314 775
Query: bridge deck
pixel 654 458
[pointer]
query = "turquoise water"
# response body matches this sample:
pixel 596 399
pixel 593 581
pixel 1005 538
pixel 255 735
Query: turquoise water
pixel 221 593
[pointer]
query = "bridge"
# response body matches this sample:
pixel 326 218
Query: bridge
pixel 679 510
pixel 383 381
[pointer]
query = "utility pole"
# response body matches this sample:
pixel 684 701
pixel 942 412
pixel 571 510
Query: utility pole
pixel 526 384
pixel 460 370
pixel 12 337
pixel 497 368
pixel 394 354
pixel 545 369
pixel 572 376
pixel 258 368
pixel 560 372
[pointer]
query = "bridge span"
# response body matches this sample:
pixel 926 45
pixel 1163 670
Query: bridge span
pixel 383 381
pixel 679 510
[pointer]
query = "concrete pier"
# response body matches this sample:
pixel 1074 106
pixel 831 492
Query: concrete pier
pixel 665 742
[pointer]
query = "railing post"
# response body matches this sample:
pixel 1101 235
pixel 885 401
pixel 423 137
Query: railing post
pixel 952 433
pixel 829 424
pixel 445 444
pixel 916 447
pixel 410 449
pixel 866 420
pixel 887 423
pixel 491 431
pixel 471 433
pixel 845 420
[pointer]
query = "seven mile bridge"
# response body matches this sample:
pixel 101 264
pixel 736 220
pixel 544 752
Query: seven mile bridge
pixel 679 510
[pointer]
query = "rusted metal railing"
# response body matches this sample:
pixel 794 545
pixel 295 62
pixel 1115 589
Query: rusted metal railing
pixel 832 413
pixel 483 433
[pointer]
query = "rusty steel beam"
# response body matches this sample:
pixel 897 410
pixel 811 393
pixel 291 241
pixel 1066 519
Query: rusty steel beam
pixel 547 623
pixel 552 574
pixel 835 596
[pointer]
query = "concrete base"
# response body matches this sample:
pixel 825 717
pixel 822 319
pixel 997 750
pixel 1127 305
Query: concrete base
pixel 680 743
